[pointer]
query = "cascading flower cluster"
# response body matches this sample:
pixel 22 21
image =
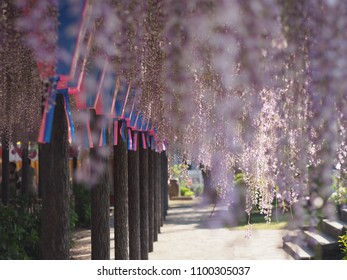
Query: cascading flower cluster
pixel 255 85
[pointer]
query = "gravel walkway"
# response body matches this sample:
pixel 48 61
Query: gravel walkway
pixel 189 233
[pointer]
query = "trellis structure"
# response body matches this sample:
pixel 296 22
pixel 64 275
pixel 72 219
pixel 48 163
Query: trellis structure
pixel 110 119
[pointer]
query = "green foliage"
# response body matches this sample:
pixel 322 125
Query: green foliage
pixel 339 196
pixel 343 245
pixel 258 222
pixel 241 186
pixel 178 170
pixel 82 206
pixel 198 190
pixel 239 180
pixel 189 193
pixel 19 229
pixel 183 185
pixel 184 190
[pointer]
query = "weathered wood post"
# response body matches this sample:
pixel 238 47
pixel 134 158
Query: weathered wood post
pixel 167 177
pixel 25 169
pixel 100 205
pixel 121 209
pixel 155 194
pixel 134 205
pixel 159 190
pixel 163 187
pixel 5 183
pixel 100 195
pixel 41 181
pixel 150 198
pixel 144 219
pixel 74 167
pixel 55 192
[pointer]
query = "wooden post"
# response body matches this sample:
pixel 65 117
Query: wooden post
pixel 74 168
pixel 159 194
pixel 55 194
pixel 25 169
pixel 100 194
pixel 5 183
pixel 166 184
pixel 150 199
pixel 155 195
pixel 121 217
pixel 41 149
pixel 41 167
pixel 144 219
pixel 163 187
pixel 100 205
pixel 134 205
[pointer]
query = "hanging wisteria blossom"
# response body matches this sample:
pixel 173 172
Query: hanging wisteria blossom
pixel 258 86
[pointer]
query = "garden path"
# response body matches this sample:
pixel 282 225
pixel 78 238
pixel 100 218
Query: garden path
pixel 191 233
